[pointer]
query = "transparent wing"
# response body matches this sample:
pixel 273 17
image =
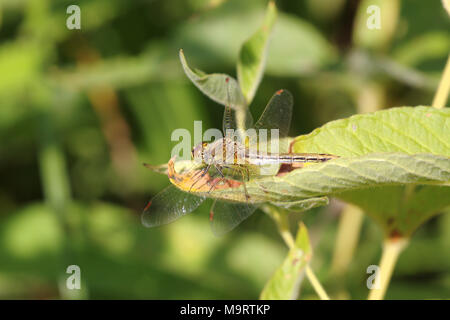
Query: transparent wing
pixel 169 205
pixel 232 118
pixel 235 116
pixel 225 216
pixel 276 115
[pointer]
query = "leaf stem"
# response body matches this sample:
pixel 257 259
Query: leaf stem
pixel 283 228
pixel 316 284
pixel 441 95
pixel 350 223
pixel 56 188
pixel 391 250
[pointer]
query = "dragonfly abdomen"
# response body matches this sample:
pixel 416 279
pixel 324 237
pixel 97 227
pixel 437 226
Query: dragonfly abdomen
pixel 289 158
pixel 305 157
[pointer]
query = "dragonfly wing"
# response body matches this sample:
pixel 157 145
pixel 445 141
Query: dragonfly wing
pixel 232 117
pixel 225 216
pixel 169 205
pixel 236 116
pixel 276 115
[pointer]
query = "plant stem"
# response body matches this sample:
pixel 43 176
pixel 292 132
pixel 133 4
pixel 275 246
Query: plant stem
pixel 316 284
pixel 350 223
pixel 56 187
pixel 391 250
pixel 57 193
pixel 441 95
pixel 283 228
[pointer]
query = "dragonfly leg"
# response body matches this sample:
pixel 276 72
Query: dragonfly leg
pixel 198 172
pixel 219 180
pixel 211 211
pixel 212 177
pixel 219 170
pixel 247 197
pixel 203 173
pixel 206 170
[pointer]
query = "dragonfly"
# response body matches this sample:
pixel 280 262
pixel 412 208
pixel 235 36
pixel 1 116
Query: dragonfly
pixel 235 157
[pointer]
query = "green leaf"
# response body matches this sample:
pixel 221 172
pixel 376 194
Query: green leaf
pixel 23 240
pixel 22 61
pixel 410 130
pixel 394 163
pixel 423 48
pixel 344 174
pixel 252 56
pixel 397 208
pixel 400 210
pixel 219 87
pixel 302 205
pixel 297 48
pixel 286 280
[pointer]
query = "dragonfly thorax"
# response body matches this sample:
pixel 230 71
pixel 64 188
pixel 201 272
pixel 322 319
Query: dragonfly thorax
pixel 220 152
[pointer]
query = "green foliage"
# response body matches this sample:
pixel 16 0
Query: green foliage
pixel 285 282
pixel 418 132
pixel 410 130
pixel 296 47
pixel 390 160
pixel 389 166
pixel 221 88
pixel 82 109
pixel 252 57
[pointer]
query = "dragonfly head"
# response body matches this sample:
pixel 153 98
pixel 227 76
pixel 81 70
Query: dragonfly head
pixel 197 151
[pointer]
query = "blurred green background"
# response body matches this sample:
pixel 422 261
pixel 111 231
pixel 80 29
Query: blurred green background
pixel 81 110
